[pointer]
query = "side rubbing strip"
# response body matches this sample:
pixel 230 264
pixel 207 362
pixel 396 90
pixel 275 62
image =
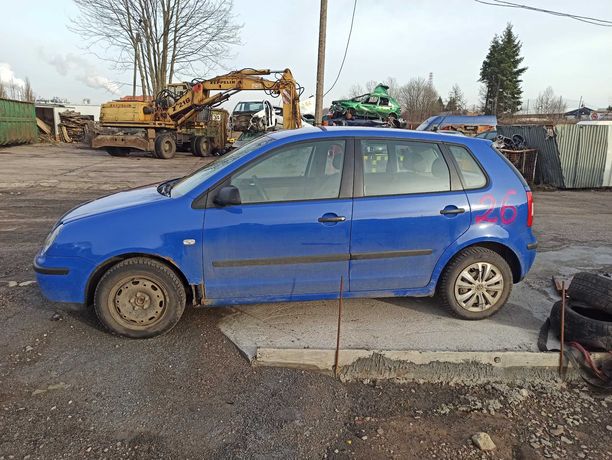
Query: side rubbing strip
pixel 391 254
pixel 281 260
pixel 319 259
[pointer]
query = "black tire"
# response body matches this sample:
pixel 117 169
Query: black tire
pixel 393 121
pixel 583 324
pixel 165 146
pixel 200 146
pixel 118 151
pixel 449 289
pixel 593 289
pixel 144 283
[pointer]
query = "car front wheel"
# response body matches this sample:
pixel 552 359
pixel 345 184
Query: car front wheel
pixel 476 284
pixel 139 298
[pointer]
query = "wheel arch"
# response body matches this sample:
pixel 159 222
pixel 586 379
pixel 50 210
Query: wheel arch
pixel 503 250
pixel 102 268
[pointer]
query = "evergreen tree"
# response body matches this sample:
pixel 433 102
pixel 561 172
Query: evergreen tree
pixel 501 74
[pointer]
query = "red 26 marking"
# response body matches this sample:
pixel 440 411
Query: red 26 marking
pixel 507 212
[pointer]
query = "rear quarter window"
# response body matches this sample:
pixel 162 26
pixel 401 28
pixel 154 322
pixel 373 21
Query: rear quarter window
pixel 472 173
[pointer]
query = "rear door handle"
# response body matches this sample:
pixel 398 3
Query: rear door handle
pixel 452 210
pixel 332 219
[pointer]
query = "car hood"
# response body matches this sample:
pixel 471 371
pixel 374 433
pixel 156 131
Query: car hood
pixel 115 202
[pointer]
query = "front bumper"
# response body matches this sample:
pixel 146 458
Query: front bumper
pixel 63 279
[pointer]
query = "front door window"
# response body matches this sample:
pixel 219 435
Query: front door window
pixel 305 171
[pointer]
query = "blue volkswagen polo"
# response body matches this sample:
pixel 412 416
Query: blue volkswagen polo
pixel 284 218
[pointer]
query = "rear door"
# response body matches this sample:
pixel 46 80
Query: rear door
pixel 290 235
pixel 409 207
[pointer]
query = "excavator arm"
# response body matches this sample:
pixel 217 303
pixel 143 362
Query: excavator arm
pixel 199 97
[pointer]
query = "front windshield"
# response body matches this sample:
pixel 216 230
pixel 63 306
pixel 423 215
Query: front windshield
pixel 191 181
pixel 249 107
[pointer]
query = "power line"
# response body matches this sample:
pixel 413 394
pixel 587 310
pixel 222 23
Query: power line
pixel 586 19
pixel 345 50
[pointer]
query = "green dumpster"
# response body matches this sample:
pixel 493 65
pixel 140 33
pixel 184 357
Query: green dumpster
pixel 17 122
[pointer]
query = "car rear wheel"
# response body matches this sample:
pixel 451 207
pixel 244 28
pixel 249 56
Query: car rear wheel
pixel 139 298
pixel 476 284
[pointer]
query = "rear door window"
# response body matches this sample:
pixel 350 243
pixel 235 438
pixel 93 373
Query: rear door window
pixel 403 167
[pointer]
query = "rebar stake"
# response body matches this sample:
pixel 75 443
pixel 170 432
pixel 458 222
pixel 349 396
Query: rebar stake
pixel 562 332
pixel 336 357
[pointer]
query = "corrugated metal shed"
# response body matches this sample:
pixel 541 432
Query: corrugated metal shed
pixel 17 122
pixel 548 167
pixel 583 150
pixel 570 156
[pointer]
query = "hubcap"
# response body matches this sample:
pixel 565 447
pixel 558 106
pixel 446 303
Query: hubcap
pixel 167 146
pixel 479 286
pixel 137 302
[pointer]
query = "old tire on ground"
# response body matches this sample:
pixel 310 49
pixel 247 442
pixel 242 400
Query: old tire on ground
pixel 200 146
pixel 118 151
pixel 583 324
pixel 593 289
pixel 139 298
pixel 475 284
pixel 165 146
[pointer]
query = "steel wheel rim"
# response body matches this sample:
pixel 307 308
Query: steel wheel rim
pixel 137 302
pixel 167 146
pixel 479 287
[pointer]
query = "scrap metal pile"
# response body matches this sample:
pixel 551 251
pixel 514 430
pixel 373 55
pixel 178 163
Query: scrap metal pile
pixel 520 155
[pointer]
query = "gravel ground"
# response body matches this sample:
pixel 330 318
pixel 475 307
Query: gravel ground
pixel 70 390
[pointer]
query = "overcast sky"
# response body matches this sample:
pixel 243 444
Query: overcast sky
pixel 398 38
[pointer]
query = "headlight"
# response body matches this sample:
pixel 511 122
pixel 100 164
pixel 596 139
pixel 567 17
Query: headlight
pixel 51 238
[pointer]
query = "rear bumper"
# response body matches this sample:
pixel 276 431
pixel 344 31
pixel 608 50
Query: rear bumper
pixel 527 257
pixel 62 279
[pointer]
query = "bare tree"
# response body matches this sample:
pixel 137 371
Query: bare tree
pixel 394 87
pixel 3 94
pixel 456 100
pixel 355 90
pixel 28 93
pixel 419 99
pixel 14 91
pixel 370 85
pixel 165 37
pixel 548 103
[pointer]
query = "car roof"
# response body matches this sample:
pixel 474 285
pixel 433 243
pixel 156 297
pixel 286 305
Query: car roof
pixel 358 131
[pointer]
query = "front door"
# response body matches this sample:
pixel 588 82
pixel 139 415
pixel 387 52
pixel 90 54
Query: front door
pixel 289 237
pixel 405 214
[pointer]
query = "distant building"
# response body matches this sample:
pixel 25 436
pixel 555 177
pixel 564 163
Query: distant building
pixel 586 113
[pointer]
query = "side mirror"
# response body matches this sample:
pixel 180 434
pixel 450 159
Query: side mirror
pixel 228 195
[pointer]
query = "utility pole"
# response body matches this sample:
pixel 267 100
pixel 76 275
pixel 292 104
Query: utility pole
pixel 321 64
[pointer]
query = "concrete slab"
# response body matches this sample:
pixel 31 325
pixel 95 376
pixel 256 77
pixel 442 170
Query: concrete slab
pixel 411 324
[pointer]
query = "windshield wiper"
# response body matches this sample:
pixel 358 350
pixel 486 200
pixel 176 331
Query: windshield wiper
pixel 165 187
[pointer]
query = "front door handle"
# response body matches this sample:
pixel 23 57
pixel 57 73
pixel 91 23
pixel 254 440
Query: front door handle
pixel 452 210
pixel 327 218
